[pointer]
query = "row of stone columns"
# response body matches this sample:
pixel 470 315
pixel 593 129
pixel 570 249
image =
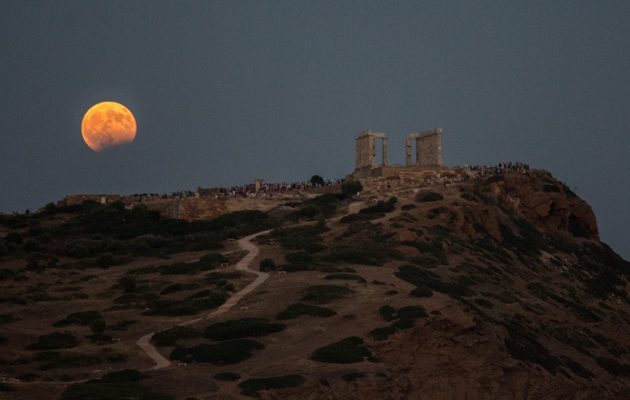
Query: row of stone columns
pixel 428 148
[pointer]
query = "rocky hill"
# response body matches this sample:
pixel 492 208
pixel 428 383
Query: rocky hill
pixel 490 287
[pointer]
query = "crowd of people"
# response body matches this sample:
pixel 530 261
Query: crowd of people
pixel 264 189
pixel 501 168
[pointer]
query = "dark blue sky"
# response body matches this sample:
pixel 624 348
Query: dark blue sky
pixel 225 92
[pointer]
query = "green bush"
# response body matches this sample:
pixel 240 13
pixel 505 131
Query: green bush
pixel 53 341
pixel 344 276
pixel 387 312
pixel 522 345
pixel 613 367
pixel 483 302
pixel 380 207
pixel 427 279
pixel 251 387
pixel 321 294
pixel 380 334
pixel 83 318
pixel 169 337
pixel 300 237
pixel 53 359
pixel 240 328
pixel 428 196
pixel 469 196
pixel 411 312
pixel 187 306
pixel 175 287
pixel 114 386
pixel 421 291
pixel 227 376
pixel 350 188
pixel 353 376
pixel 346 351
pixel 356 217
pixel 267 265
pixel 227 352
pixel 298 309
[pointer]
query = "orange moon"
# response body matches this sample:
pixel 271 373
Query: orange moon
pixel 108 124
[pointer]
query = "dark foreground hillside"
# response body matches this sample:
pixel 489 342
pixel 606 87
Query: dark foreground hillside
pixel 494 288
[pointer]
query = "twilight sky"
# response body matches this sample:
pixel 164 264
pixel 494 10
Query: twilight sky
pixel 228 91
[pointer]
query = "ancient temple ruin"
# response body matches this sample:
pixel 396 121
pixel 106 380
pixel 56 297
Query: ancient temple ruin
pixel 428 148
pixel 428 153
pixel 366 150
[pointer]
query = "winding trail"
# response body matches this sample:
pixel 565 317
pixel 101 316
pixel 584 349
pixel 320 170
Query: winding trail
pixel 243 264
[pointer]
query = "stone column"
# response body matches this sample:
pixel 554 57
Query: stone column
pixel 384 152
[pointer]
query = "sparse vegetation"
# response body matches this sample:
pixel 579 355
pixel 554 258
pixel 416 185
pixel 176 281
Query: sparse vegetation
pixel 344 276
pixel 350 188
pixel 613 367
pixel 81 318
pixel 251 387
pixel 53 341
pixel 427 279
pixel 169 337
pixel 116 385
pixel 187 306
pixel 226 352
pixel 227 376
pixel 346 351
pixel 241 328
pixel 298 309
pixel 322 294
pixel 428 196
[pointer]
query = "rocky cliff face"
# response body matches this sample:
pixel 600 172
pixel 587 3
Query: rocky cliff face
pixel 547 203
pixel 442 285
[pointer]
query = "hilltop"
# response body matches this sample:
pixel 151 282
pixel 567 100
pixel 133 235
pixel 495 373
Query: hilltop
pixel 442 284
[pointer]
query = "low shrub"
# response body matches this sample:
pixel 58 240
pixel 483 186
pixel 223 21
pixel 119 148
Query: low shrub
pixel 613 367
pixel 82 318
pixel 421 291
pixel 187 306
pixel 469 196
pixel 381 207
pixel 428 196
pixel 353 376
pixel 227 376
pixel 380 334
pixel 322 294
pixel 346 351
pixel 267 265
pixel 240 328
pixel 227 352
pixel 298 309
pixel 53 359
pixel 387 312
pixel 345 276
pixel 251 387
pixel 427 279
pixel 483 302
pixel 53 341
pixel 356 217
pixel 115 385
pixel 522 345
pixel 169 337
pixel 350 188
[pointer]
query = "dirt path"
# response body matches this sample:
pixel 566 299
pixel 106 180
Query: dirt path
pixel 242 265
